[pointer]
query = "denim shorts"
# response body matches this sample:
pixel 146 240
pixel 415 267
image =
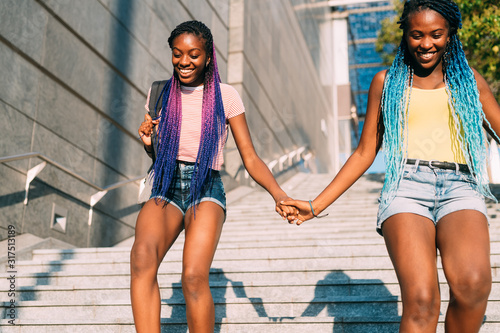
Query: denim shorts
pixel 178 193
pixel 433 193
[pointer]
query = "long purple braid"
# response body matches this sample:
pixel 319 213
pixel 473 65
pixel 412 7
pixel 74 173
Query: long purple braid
pixel 167 145
pixel 213 127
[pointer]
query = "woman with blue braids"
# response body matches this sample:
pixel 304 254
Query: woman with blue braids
pixel 428 112
pixel 187 192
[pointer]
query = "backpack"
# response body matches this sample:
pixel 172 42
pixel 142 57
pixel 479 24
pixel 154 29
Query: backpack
pixel 147 183
pixel 155 95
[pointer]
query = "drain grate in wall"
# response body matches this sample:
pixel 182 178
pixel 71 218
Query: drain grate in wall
pixel 59 218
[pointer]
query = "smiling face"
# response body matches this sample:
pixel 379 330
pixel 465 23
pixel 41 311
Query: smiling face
pixel 427 36
pixel 189 59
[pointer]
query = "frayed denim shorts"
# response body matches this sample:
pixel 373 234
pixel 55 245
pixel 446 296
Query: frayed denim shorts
pixel 178 193
pixel 433 193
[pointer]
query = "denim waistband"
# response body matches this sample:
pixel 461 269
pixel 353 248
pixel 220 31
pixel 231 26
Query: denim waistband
pixel 185 162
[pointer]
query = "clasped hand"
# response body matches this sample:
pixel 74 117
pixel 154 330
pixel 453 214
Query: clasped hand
pixel 294 211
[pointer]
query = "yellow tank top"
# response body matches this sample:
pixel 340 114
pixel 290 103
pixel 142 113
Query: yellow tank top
pixel 431 128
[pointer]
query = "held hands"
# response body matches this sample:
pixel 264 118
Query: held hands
pixel 303 209
pixel 146 129
pixel 287 212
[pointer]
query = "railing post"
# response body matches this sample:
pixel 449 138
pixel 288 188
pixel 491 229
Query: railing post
pixel 32 173
pixel 306 159
pixel 281 161
pixel 300 151
pixel 94 199
pixel 272 164
pixel 291 155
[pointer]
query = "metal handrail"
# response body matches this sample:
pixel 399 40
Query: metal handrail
pixel 33 172
pixel 288 158
pixel 102 191
pixel 50 161
pixel 282 160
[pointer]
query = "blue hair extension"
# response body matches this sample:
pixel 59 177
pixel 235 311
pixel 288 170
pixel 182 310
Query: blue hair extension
pixel 394 104
pixel 468 112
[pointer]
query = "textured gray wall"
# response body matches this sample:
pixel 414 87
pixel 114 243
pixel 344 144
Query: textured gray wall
pixel 270 65
pixel 75 75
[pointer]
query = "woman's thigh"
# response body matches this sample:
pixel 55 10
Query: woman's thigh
pixel 464 245
pixel 411 244
pixel 202 236
pixel 157 228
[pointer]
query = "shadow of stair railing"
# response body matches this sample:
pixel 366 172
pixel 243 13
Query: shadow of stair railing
pixel 372 300
pixel 177 302
pixel 44 278
pixel 29 293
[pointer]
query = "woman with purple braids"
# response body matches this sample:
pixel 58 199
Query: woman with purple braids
pixel 187 190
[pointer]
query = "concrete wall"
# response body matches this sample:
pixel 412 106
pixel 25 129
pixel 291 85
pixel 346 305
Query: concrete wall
pixel 75 75
pixel 272 68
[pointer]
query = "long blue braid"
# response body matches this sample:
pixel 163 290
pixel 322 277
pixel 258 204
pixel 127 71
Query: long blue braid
pixel 213 127
pixel 463 98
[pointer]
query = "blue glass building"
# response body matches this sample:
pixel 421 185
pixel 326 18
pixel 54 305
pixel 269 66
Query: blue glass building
pixel 364 24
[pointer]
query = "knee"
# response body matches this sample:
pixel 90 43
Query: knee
pixel 194 282
pixel 143 260
pixel 422 305
pixel 471 288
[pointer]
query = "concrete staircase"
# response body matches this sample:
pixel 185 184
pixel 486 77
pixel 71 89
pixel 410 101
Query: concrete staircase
pixel 328 275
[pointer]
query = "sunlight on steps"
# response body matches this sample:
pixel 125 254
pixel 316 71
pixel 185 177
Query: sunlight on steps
pixel 327 275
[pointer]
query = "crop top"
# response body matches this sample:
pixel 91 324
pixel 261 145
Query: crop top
pixel 432 134
pixel 192 100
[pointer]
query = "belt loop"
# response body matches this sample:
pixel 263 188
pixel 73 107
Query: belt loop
pixel 456 167
pixel 415 168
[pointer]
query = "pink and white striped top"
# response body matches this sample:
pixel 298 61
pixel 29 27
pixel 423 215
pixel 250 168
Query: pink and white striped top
pixel 192 100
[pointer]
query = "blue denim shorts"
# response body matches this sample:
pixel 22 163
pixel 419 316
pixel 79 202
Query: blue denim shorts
pixel 433 193
pixel 178 193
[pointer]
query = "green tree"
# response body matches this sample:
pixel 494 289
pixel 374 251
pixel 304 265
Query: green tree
pixel 480 36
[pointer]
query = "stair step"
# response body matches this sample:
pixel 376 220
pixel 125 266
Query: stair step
pixel 230 308
pixel 275 250
pixel 267 276
pixel 224 307
pixel 379 324
pixel 170 264
pixel 105 279
pixel 384 324
pixel 225 288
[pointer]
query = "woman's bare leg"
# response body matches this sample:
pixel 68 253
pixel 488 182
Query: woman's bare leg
pixel 202 237
pixel 411 243
pixel 464 244
pixel 156 230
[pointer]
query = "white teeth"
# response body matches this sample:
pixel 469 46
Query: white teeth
pixel 427 55
pixel 185 71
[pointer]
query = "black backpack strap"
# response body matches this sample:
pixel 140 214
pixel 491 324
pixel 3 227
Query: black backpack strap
pixel 154 98
pixel 156 89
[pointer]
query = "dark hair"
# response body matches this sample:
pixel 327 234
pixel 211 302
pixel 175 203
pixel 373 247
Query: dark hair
pixel 447 8
pixel 196 28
